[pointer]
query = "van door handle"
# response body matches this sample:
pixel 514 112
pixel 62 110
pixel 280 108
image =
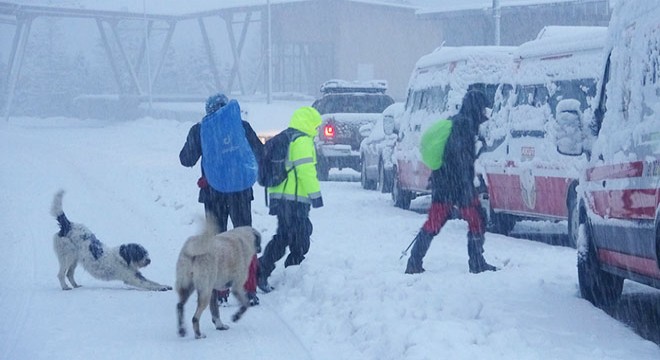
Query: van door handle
pixel 604 183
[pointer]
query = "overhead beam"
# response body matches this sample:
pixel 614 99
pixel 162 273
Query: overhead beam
pixel 108 51
pixel 237 49
pixel 163 52
pixel 16 59
pixel 209 53
pixel 127 62
pixel 38 10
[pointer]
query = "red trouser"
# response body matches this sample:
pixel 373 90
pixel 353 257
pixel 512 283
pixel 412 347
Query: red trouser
pixel 439 214
pixel 251 282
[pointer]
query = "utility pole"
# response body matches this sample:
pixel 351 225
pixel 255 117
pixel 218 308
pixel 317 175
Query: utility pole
pixel 269 68
pixel 497 15
pixel 146 39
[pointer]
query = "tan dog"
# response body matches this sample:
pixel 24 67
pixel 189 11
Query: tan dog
pixel 214 261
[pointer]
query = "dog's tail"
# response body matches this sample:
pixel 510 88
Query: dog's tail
pixel 57 211
pixel 210 226
pixel 198 245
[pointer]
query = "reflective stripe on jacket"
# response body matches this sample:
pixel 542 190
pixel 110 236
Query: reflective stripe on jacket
pixel 301 184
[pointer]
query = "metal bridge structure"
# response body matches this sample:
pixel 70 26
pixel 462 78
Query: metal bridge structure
pixel 139 68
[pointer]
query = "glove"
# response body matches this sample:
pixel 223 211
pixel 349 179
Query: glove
pixel 317 202
pixel 202 183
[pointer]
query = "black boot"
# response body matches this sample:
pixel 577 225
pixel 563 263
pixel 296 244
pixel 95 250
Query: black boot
pixel 477 263
pixel 263 285
pixel 263 272
pixel 421 245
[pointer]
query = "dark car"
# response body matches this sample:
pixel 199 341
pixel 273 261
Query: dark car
pixel 345 107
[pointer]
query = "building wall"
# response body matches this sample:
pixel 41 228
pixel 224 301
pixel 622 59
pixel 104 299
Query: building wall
pixel 388 39
pixel 518 24
pixel 348 40
pixel 358 40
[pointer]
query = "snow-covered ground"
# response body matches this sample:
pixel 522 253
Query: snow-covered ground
pixel 348 300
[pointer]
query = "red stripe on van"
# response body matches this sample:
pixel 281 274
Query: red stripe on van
pixel 632 263
pixel 617 171
pixel 633 204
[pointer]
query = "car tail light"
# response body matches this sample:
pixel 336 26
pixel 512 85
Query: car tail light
pixel 329 131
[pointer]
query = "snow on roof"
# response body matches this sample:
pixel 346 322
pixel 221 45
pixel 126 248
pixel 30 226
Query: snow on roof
pixel 458 67
pixel 556 40
pixel 447 54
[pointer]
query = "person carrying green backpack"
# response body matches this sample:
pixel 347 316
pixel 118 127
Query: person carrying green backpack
pixel 448 149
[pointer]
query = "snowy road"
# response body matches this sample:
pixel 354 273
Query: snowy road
pixel 348 300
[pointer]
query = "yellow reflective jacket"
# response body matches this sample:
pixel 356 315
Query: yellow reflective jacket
pixel 301 184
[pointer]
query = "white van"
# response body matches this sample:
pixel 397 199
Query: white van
pixel 617 216
pixel 435 91
pixel 525 176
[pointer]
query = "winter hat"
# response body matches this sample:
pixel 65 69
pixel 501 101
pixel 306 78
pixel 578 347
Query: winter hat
pixel 474 103
pixel 215 102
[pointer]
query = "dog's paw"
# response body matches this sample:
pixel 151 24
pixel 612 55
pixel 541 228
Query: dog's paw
pixel 165 288
pixel 200 336
pixel 222 327
pixel 182 332
pixel 66 288
pixel 238 314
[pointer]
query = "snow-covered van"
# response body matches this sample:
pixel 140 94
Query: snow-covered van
pixel 435 91
pixel 525 177
pixel 618 209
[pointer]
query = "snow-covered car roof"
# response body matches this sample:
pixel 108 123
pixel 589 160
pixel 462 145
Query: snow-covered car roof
pixel 345 86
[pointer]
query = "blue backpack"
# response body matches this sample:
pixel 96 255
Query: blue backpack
pixel 227 158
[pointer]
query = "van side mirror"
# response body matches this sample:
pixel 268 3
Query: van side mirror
pixel 570 133
pixel 388 125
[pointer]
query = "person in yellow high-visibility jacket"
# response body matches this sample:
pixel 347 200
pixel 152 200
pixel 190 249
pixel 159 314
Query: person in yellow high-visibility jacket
pixel 291 200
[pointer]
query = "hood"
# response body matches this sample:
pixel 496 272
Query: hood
pixel 306 119
pixel 472 109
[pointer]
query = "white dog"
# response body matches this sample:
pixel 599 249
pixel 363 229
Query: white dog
pixel 214 261
pixel 75 243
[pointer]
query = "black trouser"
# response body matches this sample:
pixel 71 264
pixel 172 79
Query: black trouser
pixel 237 206
pixel 293 231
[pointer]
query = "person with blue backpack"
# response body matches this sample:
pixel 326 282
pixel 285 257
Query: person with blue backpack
pixel 449 149
pixel 230 151
pixel 291 199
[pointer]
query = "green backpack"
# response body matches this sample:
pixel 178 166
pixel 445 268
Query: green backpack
pixel 432 144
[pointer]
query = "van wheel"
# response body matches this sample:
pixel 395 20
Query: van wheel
pixel 385 178
pixel 322 169
pixel 401 198
pixel 573 220
pixel 596 285
pixel 501 223
pixel 364 181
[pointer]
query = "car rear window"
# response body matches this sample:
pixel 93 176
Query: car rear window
pixel 352 103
